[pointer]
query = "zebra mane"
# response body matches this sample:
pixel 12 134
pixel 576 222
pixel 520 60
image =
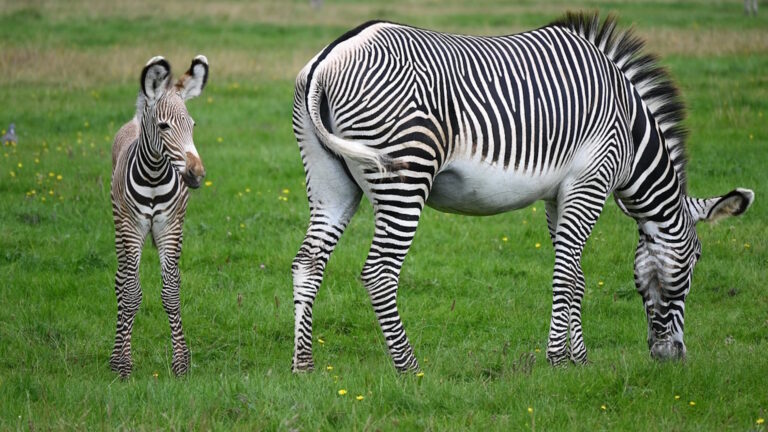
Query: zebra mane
pixel 651 80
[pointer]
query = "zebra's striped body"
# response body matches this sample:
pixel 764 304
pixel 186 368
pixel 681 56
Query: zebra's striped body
pixel 568 114
pixel 154 163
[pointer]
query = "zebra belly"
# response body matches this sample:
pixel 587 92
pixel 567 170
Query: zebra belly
pixel 480 189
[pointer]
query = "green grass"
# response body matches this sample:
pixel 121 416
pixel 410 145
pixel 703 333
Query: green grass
pixel 476 311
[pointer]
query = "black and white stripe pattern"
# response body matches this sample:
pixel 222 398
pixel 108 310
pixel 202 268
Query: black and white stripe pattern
pixel 569 114
pixel 154 164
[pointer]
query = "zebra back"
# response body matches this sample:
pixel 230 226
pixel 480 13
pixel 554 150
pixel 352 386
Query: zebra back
pixel 652 81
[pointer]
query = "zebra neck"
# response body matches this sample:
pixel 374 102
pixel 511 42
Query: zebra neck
pixel 148 166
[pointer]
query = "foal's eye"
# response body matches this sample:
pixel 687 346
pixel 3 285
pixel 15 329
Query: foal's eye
pixel 164 126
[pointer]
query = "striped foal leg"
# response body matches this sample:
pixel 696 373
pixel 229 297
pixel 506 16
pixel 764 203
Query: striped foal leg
pixel 168 241
pixel 329 217
pixel 128 243
pixel 579 210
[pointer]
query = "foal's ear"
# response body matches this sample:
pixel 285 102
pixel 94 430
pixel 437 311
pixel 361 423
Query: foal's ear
pixel 733 203
pixel 191 84
pixel 155 78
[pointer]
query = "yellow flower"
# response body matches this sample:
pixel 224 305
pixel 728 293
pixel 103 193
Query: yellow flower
pixel 50 192
pixel 600 283
pixel 58 177
pixel 504 239
pixel 37 161
pixel 342 392
pixel 20 165
pixel 329 368
pixel 530 410
pixel 219 139
pixel 359 397
pixel 247 190
pixel 420 374
pixel 286 191
pixel 51 174
pixel 155 375
pixel 86 124
pixel 320 341
pixel 538 245
pixel 603 407
pixel 746 245
pixel 210 100
pixel 677 397
pixel 536 350
pixel 13 174
pixel 534 209
pixel 760 421
pixel 692 403
pixel 208 183
pixel 242 225
pixel 751 136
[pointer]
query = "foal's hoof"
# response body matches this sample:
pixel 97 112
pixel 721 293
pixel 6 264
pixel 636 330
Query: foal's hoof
pixel 180 364
pixel 302 366
pixel 663 350
pixel 558 358
pixel 121 365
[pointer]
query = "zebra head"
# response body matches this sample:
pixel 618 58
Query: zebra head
pixel 165 121
pixel 664 262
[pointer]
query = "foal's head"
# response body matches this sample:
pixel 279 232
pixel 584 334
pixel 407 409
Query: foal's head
pixel 164 118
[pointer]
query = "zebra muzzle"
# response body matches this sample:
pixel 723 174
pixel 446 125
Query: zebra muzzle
pixel 194 173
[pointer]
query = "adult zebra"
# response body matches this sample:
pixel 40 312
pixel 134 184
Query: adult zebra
pixel 569 114
pixel 154 162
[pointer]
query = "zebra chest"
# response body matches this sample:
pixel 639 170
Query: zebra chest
pixel 155 201
pixel 476 188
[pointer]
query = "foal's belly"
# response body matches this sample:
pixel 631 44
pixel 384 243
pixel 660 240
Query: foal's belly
pixel 477 188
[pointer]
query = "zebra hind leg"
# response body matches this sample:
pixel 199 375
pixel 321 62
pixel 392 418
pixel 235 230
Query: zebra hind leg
pixel 329 217
pixel 128 292
pixel 169 250
pixel 579 210
pixel 396 225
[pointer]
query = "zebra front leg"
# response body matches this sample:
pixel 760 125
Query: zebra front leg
pixel 169 241
pixel 326 225
pixel 578 212
pixel 128 244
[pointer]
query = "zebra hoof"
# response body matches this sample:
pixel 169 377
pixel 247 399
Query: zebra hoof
pixel 303 367
pixel 558 358
pixel 580 358
pixel 121 365
pixel 180 364
pixel 664 350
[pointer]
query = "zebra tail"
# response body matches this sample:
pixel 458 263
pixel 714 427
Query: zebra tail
pixel 356 151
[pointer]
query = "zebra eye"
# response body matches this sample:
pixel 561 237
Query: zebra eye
pixel 164 126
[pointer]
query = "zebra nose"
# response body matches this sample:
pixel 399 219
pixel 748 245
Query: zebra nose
pixel 195 166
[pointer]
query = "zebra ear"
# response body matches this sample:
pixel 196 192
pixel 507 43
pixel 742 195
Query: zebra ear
pixel 733 203
pixel 191 84
pixel 155 78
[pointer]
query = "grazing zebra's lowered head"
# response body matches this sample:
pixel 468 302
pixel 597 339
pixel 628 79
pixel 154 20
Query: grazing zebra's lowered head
pixel 163 115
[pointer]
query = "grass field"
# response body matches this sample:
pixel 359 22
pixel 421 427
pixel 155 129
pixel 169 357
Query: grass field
pixel 477 311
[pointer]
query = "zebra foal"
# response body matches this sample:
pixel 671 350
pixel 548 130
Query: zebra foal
pixel 570 114
pixel 154 163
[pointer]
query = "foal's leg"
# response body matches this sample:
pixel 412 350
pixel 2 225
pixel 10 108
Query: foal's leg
pixel 129 240
pixel 168 239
